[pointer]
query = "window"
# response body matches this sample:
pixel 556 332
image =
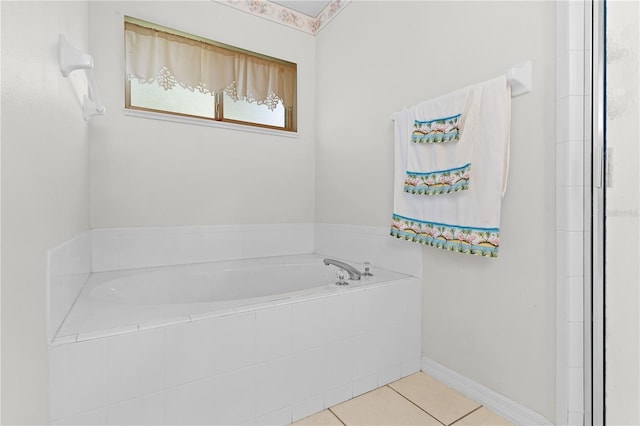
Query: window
pixel 176 73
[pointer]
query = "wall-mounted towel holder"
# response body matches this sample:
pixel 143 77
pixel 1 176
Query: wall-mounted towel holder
pixel 519 77
pixel 72 59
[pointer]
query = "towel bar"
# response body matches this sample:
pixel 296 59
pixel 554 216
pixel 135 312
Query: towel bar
pixel 519 77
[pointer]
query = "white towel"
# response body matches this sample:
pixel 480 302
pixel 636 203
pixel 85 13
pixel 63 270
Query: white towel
pixel 468 220
pixel 442 137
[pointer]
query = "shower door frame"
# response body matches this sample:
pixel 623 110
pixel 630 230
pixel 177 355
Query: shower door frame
pixel 595 202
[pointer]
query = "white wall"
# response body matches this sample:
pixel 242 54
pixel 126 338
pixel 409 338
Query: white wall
pixel 45 187
pixel 491 320
pixel 155 173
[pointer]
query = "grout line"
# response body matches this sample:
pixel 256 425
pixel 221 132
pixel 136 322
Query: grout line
pixel 422 409
pixel 337 417
pixel 466 415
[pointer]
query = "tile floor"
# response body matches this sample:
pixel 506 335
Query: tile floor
pixel 418 399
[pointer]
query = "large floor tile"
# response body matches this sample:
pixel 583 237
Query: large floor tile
pixel 323 418
pixel 382 406
pixel 437 399
pixel 483 417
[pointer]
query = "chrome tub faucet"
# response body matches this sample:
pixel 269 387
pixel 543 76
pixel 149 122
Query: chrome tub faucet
pixel 354 274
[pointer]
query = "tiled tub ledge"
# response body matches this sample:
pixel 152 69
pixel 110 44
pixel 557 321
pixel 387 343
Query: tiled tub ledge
pixel 273 360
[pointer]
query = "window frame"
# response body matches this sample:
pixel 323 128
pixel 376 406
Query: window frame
pixel 290 118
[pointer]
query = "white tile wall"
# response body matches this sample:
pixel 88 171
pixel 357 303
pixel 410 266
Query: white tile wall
pixel 339 312
pixel 570 145
pixel 576 71
pixel 339 363
pixel 576 304
pixel 273 333
pixel 307 381
pixel 308 325
pixel 410 366
pixel 338 395
pixel 78 381
pixel 576 396
pixel 146 247
pixel 307 407
pixel 69 266
pixel 570 170
pixel 389 374
pixel 569 218
pixel 135 364
pixel 90 418
pixel 576 25
pixel 576 418
pixel 189 352
pixel 576 344
pixel 279 417
pixel 364 384
pixel 147 410
pixel 234 398
pixel 274 382
pixel 366 355
pixel 235 341
pixel 190 404
pixel 242 368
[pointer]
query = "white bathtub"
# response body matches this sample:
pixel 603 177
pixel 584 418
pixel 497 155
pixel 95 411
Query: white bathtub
pixel 122 301
pixel 260 341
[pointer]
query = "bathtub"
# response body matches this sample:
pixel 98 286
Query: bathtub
pixel 120 301
pixel 260 341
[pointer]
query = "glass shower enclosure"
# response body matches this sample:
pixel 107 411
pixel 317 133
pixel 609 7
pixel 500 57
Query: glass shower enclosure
pixel 612 255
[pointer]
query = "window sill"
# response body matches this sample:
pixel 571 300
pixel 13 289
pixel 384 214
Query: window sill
pixel 208 123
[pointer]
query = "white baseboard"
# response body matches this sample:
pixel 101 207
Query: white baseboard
pixel 497 403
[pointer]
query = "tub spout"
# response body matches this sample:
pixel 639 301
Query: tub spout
pixel 354 274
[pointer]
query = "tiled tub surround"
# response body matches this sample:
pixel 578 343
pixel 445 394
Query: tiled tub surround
pixel 112 250
pixel 272 360
pixel 100 250
pixel 572 95
pixel 69 266
pixel 269 364
pixel 129 248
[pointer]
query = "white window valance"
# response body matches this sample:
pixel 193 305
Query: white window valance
pixel 169 59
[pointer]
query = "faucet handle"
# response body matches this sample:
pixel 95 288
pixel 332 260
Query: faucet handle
pixel 342 276
pixel 367 269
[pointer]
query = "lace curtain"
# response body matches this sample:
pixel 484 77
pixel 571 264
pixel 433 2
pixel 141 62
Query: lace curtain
pixel 153 55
